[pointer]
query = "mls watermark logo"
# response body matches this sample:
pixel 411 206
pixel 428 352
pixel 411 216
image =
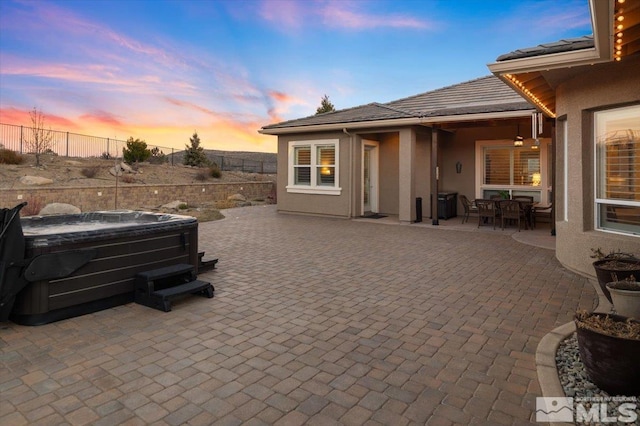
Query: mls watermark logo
pixel 617 409
pixel 558 409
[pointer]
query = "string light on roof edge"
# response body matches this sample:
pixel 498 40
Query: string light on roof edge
pixel 618 27
pixel 530 95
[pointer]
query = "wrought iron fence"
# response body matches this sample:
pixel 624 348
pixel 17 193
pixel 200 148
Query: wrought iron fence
pixel 67 144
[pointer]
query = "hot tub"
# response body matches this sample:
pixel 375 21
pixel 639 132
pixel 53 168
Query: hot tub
pixel 125 243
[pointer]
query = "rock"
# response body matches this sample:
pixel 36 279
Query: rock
pixel 115 171
pixel 236 197
pixel 126 168
pixel 174 205
pixel 58 208
pixel 35 180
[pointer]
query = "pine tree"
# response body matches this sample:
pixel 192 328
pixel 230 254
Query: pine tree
pixel 325 106
pixel 194 155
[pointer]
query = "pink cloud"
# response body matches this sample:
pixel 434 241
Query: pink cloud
pixel 101 118
pixel 338 14
pixel 21 117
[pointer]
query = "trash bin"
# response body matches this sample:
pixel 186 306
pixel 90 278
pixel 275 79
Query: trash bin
pixel 447 205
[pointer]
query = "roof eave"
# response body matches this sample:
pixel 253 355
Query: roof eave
pixel 602 13
pixel 414 121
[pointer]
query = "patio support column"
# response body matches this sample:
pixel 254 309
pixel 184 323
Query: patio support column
pixel 435 176
pixel 406 175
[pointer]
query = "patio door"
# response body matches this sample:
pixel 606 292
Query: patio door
pixel 370 177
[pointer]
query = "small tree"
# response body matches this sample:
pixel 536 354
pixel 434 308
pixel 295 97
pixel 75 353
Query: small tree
pixel 41 140
pixel 157 156
pixel 136 151
pixel 325 106
pixel 194 155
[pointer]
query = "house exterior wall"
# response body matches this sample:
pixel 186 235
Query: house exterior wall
pixel 389 173
pixel 422 166
pixel 317 204
pixel 599 87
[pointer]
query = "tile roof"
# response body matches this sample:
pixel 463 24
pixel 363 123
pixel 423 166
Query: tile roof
pixel 568 45
pixel 483 95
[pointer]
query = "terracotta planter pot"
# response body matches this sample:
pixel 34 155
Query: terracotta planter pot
pixel 611 362
pixel 607 272
pixel 626 299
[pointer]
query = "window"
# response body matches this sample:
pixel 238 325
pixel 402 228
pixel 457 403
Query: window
pixel 509 166
pixel 617 169
pixel 313 167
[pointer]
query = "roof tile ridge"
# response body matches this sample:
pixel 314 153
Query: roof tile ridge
pixel 429 92
pixel 400 110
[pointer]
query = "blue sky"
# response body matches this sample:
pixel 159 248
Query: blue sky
pixel 158 70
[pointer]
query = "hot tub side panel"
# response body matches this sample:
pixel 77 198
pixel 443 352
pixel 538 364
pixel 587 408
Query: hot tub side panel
pixel 108 279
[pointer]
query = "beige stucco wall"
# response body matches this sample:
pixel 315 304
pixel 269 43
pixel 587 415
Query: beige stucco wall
pixel 598 87
pixel 317 204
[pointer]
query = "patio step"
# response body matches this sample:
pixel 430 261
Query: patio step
pixel 157 287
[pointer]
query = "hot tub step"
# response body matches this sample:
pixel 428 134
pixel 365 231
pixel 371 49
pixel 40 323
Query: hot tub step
pixel 205 265
pixel 156 288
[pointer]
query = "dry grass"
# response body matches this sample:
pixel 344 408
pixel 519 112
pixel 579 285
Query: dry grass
pixel 605 324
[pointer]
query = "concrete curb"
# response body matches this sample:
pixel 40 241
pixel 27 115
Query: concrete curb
pixel 546 367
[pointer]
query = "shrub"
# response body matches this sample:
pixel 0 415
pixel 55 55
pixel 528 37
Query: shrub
pixel 105 156
pixel 10 157
pixel 127 179
pixel 157 156
pixel 214 171
pixel 201 176
pixel 90 172
pixel 183 206
pixel 135 151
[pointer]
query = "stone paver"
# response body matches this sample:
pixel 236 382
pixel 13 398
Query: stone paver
pixel 314 321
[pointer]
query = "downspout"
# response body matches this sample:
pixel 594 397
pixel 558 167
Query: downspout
pixel 351 169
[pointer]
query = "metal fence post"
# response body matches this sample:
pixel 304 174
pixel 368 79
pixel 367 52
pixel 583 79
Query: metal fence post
pixel 107 148
pixel 67 145
pixel 21 152
pixel 172 156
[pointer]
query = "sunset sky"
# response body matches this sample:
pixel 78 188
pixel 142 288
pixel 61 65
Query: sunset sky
pixel 160 70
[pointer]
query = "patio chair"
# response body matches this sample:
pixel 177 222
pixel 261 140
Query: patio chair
pixel 542 212
pixel 526 205
pixel 511 210
pixel 487 209
pixel 469 208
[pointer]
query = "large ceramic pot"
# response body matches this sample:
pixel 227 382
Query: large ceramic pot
pixel 626 298
pixel 610 270
pixel 611 362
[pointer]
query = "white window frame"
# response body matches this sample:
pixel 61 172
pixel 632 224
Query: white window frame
pixel 544 189
pixel 314 188
pixel 632 111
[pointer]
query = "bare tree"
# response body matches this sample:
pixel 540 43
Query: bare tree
pixel 41 139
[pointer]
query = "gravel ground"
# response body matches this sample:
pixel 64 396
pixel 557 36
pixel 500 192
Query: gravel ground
pixel 576 383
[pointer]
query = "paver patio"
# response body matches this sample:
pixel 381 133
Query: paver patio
pixel 315 321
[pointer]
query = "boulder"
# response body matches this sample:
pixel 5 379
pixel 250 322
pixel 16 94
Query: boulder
pixel 58 208
pixel 173 205
pixel 35 180
pixel 126 168
pixel 115 171
pixel 236 197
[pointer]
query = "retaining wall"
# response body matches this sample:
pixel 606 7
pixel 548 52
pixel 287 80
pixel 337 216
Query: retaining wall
pixel 135 197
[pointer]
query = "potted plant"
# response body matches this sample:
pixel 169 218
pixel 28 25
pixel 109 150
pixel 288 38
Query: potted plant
pixel 615 266
pixel 609 347
pixel 626 297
